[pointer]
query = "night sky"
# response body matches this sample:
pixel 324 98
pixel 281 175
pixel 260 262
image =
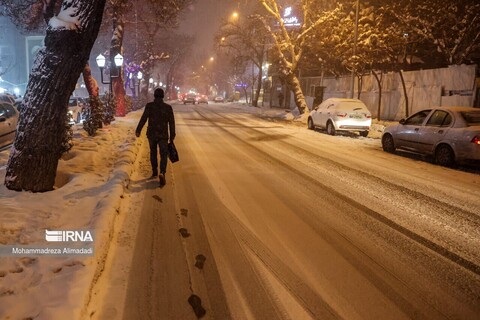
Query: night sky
pixel 203 20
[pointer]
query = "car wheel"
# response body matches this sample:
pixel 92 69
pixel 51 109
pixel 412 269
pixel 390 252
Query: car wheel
pixel 387 143
pixel 311 126
pixel 330 128
pixel 364 133
pixel 444 156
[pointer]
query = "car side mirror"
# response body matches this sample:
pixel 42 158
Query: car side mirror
pixel 402 121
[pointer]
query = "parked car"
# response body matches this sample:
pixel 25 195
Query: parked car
pixel 189 98
pixel 75 109
pixel 337 114
pixel 450 134
pixel 7 97
pixel 8 123
pixel 218 99
pixel 202 99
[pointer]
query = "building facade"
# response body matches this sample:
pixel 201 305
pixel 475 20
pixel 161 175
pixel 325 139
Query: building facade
pixel 17 53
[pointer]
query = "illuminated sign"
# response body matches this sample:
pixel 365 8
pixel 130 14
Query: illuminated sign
pixel 290 20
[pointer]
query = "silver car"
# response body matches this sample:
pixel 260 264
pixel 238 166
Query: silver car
pixel 8 123
pixel 450 134
pixel 337 114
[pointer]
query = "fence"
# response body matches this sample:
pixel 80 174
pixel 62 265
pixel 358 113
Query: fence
pixel 452 86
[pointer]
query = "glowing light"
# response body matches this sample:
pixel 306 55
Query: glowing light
pixel 118 60
pixel 100 60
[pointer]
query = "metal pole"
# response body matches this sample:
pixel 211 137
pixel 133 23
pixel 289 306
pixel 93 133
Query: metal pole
pixel 352 80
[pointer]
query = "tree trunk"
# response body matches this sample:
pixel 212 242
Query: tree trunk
pixel 360 86
pixel 116 48
pixel 90 82
pixel 379 82
pixel 294 85
pixel 96 110
pixel 246 95
pixel 404 92
pixel 259 86
pixel 35 153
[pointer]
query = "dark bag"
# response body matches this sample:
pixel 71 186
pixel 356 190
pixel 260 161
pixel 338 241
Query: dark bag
pixel 172 152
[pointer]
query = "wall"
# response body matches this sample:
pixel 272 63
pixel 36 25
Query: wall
pixel 452 86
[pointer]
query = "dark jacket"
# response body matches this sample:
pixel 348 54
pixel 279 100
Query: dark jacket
pixel 160 119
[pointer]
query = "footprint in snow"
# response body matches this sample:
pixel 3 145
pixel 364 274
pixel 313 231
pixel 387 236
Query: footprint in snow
pixel 184 232
pixel 196 304
pixel 200 261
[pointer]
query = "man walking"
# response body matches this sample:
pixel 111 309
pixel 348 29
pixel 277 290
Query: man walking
pixel 160 119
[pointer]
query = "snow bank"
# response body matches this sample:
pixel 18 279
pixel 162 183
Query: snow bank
pixel 89 186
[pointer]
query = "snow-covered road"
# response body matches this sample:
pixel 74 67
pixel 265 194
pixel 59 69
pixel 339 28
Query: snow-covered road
pixel 293 224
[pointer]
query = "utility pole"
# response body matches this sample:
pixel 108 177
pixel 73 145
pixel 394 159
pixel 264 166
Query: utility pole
pixel 352 80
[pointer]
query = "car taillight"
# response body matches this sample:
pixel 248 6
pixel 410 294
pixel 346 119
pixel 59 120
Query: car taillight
pixel 476 140
pixel 368 116
pixel 342 115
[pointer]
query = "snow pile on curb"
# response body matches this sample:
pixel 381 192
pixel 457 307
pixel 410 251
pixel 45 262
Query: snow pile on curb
pixel 90 182
pixel 294 115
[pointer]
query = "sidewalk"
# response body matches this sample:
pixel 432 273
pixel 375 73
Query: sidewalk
pixel 91 181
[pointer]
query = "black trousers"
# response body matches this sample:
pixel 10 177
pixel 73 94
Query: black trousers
pixel 156 144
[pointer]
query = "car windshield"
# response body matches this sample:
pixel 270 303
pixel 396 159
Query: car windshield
pixel 472 118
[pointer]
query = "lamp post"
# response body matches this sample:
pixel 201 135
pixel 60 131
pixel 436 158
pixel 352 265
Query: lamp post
pixel 135 85
pixel 139 77
pixel 118 60
pixel 150 84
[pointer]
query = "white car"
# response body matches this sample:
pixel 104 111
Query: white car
pixel 337 114
pixel 75 109
pixel 8 123
pixel 218 99
pixel 450 134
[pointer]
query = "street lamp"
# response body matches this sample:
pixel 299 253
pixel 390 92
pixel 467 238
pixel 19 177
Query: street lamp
pixel 118 60
pixel 139 77
pixel 101 61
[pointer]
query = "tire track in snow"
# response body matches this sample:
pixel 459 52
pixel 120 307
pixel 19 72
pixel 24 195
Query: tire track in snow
pixel 453 257
pixel 473 217
pixel 312 303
